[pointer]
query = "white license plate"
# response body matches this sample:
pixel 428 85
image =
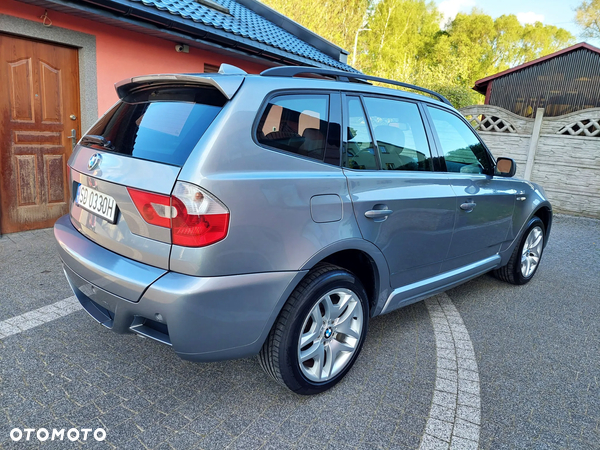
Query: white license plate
pixel 97 203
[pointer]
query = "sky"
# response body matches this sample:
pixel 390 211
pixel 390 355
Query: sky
pixel 560 13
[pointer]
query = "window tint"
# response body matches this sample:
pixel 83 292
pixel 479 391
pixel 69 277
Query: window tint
pixel 462 149
pixel 399 133
pixel 162 125
pixel 359 150
pixel 296 123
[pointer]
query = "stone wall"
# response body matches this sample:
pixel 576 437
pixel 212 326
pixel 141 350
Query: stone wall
pixel 560 153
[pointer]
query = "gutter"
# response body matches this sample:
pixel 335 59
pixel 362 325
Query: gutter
pixel 178 28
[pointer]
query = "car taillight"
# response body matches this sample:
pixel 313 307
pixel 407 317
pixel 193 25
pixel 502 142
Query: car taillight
pixel 194 216
pixel 200 220
pixel 154 208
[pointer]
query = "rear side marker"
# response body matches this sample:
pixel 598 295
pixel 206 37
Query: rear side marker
pixel 195 217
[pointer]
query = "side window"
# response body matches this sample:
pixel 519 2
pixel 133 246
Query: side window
pixel 462 150
pixel 297 124
pixel 399 133
pixel 359 151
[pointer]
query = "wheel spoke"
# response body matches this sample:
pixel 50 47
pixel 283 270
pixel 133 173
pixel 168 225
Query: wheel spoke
pixel 340 346
pixel 328 307
pixel 315 352
pixel 536 240
pixel 345 328
pixel 309 336
pixel 529 240
pixel 349 313
pixel 341 305
pixel 326 368
pixel 315 315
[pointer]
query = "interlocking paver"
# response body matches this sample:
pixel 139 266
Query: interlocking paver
pixel 71 370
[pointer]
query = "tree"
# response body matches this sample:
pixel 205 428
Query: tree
pixel 335 20
pixel 402 40
pixel 587 16
pixel 400 33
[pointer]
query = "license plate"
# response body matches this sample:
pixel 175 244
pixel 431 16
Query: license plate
pixel 97 203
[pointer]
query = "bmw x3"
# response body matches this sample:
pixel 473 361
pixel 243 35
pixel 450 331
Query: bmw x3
pixel 230 215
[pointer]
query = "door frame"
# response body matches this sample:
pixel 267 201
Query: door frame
pixel 86 47
pixel 84 43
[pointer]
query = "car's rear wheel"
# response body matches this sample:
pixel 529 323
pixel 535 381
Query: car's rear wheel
pixel 526 257
pixel 319 332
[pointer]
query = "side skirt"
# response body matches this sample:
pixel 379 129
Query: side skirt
pixel 414 292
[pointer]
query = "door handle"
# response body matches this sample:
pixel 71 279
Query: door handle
pixel 378 213
pixel 468 206
pixel 73 138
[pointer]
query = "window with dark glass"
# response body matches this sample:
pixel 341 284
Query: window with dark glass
pixel 160 124
pixel 359 151
pixel 297 124
pixel 400 134
pixel 462 150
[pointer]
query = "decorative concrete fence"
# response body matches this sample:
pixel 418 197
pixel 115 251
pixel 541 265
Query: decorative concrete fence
pixel 560 153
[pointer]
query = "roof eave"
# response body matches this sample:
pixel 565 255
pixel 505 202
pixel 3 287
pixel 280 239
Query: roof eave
pixel 144 18
pixel 483 82
pixel 308 36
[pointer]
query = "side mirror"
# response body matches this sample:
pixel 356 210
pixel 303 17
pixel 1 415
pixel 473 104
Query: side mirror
pixel 506 167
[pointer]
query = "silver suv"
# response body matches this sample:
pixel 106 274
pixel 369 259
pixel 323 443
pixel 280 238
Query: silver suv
pixel 229 215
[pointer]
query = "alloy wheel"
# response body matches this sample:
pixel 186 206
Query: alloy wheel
pixel 532 251
pixel 330 335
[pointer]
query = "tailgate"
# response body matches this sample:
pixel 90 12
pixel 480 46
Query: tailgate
pixel 130 235
pixel 137 148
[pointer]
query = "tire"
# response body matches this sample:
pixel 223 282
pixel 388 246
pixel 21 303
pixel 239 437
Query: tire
pixel 329 311
pixel 526 257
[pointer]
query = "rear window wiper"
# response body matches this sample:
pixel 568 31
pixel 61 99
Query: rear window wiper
pixel 97 140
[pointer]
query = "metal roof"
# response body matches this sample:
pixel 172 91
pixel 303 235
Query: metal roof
pixel 248 25
pixel 482 84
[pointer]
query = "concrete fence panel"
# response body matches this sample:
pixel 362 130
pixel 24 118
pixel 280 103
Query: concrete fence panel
pixel 560 153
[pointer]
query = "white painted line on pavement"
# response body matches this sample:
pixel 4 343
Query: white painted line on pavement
pixel 455 417
pixel 38 317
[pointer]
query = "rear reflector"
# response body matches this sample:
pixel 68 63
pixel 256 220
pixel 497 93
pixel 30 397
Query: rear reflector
pixel 195 217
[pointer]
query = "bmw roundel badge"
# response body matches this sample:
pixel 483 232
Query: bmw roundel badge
pixel 94 161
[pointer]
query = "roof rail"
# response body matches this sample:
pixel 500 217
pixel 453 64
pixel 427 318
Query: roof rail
pixel 339 75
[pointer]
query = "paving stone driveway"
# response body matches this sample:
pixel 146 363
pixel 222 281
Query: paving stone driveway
pixel 71 372
pixel 537 349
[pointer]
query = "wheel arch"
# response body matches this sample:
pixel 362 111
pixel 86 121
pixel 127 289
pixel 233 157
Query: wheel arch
pixel 364 260
pixel 545 215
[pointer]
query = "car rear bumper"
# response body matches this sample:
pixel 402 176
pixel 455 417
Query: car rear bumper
pixel 202 318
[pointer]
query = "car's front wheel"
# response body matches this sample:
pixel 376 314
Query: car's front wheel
pixel 319 332
pixel 526 256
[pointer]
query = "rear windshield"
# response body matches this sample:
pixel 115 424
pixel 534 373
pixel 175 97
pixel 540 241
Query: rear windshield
pixel 160 124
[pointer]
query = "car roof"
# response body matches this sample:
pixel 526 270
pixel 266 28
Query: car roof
pixel 230 78
pixel 280 83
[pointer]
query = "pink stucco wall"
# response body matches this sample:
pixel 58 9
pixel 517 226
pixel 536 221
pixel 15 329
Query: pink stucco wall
pixel 121 53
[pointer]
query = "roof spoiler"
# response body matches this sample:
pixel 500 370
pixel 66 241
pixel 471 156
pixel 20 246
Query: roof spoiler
pixel 228 85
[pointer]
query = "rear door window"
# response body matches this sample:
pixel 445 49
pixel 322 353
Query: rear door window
pixel 297 124
pixel 400 134
pixel 162 125
pixel 359 150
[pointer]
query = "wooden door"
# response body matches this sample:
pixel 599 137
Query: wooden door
pixel 39 106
